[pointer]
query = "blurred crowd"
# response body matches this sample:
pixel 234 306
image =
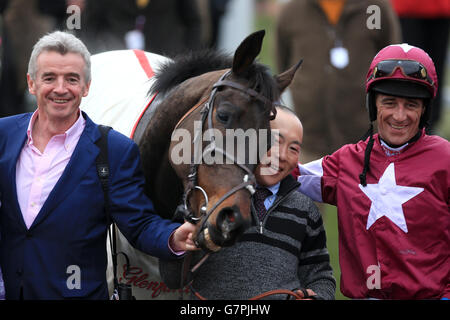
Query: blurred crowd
pixel 336 38
pixel 166 27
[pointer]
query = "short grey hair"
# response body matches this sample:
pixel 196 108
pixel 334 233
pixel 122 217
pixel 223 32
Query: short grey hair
pixel 61 42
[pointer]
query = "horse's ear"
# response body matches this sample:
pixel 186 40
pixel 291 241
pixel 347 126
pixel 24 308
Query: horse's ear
pixel 284 79
pixel 247 51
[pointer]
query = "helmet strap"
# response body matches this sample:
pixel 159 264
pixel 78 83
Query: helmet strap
pixel 371 106
pixel 368 151
pixel 425 119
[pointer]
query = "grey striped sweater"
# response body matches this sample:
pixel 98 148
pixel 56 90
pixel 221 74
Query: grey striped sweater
pixel 287 250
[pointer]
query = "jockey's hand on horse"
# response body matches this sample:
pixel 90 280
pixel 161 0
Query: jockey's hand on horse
pixel 181 239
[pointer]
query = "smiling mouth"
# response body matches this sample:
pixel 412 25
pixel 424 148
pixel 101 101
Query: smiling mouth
pixel 275 169
pixel 60 101
pixel 397 127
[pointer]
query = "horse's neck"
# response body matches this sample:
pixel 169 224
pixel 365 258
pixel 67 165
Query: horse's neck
pixel 170 109
pixel 162 183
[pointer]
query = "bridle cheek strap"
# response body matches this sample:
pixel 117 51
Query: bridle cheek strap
pixel 248 91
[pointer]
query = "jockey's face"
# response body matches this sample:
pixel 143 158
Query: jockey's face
pixel 59 86
pixel 284 154
pixel 398 118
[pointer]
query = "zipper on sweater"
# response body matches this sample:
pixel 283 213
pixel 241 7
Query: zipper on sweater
pixel 272 208
pixel 259 222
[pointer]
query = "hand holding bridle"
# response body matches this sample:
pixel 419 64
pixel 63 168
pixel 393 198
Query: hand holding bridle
pixel 181 238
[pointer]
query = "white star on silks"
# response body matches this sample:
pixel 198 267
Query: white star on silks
pixel 387 198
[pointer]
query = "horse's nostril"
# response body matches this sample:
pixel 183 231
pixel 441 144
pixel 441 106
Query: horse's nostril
pixel 228 219
pixel 226 215
pixel 230 224
pixel 230 216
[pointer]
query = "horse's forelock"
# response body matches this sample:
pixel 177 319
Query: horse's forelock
pixel 266 83
pixel 261 80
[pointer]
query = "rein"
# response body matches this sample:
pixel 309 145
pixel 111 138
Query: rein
pixel 266 294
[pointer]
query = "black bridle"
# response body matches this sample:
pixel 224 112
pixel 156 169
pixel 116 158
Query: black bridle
pixel 249 180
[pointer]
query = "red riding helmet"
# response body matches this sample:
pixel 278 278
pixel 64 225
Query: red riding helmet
pixel 401 70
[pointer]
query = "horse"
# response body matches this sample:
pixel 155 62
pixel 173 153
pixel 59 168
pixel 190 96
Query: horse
pixel 225 94
pixel 198 92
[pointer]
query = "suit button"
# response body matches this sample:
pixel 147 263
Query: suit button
pixel 28 235
pixel 19 272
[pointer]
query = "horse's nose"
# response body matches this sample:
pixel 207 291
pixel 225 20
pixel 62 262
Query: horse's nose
pixel 230 223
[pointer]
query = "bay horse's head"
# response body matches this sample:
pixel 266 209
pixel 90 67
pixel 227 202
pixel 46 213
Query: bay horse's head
pixel 217 144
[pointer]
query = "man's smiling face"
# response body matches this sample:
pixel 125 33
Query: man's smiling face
pixel 283 156
pixel 59 85
pixel 398 118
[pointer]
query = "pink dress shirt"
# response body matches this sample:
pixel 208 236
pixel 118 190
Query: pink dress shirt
pixel 37 173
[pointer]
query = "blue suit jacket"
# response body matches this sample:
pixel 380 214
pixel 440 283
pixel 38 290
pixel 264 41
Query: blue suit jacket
pixel 70 229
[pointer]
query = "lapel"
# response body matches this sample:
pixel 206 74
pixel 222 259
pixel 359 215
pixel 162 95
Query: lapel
pixel 82 159
pixel 18 136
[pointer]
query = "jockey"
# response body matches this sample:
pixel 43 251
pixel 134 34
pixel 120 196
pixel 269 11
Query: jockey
pixel 391 190
pixel 400 71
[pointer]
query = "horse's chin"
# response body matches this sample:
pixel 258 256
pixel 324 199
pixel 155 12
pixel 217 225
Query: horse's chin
pixel 211 239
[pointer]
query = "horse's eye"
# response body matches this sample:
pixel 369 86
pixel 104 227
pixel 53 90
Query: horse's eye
pixel 222 117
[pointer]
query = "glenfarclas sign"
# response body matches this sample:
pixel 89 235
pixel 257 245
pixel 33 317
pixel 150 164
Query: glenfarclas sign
pixel 139 279
pixel 144 276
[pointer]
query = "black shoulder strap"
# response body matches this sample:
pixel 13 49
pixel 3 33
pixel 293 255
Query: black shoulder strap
pixel 103 174
pixel 102 160
pixel 103 166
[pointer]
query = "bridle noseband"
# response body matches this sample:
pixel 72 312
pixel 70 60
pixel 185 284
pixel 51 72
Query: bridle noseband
pixel 248 181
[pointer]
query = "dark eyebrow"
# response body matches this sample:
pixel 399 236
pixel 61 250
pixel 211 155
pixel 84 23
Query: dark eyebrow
pixel 410 100
pixel 387 98
pixel 413 100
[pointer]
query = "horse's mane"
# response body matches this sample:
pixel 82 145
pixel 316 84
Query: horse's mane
pixel 188 65
pixel 192 64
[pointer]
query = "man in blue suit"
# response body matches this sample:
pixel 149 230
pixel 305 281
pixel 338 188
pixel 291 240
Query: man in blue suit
pixel 52 218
